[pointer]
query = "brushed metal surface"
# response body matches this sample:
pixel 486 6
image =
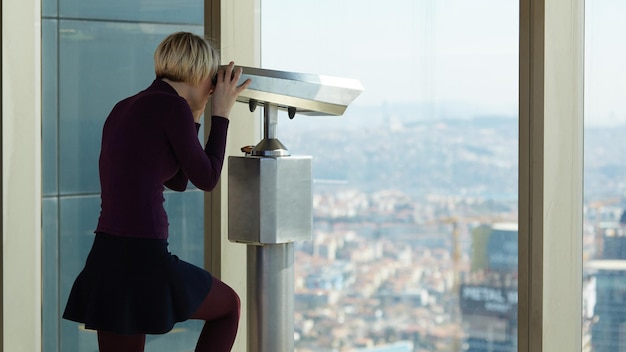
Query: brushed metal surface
pixel 270 200
pixel 271 299
pixel 307 94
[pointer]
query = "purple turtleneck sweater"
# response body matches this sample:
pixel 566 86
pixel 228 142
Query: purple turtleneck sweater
pixel 149 141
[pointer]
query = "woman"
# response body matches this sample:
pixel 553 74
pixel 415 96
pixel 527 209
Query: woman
pixel 131 285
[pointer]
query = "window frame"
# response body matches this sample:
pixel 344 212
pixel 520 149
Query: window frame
pixel 550 175
pixel 235 28
pixel 21 327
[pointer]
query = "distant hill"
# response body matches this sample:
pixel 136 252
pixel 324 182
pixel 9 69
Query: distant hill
pixel 384 147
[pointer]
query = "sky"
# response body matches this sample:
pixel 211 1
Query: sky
pixel 435 50
pixel 605 62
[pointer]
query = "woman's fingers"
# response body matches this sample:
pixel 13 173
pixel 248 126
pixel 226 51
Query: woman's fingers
pixel 227 90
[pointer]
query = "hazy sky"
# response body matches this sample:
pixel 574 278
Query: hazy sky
pixel 605 61
pixel 435 50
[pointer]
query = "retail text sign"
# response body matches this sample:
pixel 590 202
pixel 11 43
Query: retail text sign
pixel 488 300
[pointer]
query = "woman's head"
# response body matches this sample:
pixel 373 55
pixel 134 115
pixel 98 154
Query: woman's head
pixel 185 57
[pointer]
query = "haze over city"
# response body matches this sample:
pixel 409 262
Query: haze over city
pixel 411 52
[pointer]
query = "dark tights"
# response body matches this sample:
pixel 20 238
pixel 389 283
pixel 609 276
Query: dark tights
pixel 220 311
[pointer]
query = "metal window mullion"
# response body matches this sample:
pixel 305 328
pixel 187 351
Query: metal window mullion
pixel 550 219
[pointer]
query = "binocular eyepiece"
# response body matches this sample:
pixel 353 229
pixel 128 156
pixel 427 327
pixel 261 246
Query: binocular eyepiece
pixel 214 79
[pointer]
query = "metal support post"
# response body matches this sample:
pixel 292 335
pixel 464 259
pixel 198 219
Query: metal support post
pixel 271 298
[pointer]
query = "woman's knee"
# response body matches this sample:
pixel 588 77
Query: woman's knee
pixel 236 299
pixel 237 303
pixel 221 301
pixel 234 302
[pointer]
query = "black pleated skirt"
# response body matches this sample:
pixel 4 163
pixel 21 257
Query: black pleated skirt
pixel 135 286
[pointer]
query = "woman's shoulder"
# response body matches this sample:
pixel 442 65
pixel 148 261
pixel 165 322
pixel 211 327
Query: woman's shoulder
pixel 161 91
pixel 161 97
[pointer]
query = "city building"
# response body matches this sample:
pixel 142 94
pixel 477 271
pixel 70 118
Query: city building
pixel 489 297
pixel 605 298
pixel 608 332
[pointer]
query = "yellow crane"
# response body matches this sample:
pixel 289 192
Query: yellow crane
pixel 456 222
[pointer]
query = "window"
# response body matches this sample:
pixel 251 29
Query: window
pixel 604 274
pixel 415 187
pixel 93 56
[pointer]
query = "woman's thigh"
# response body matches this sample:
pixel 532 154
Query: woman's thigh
pixel 221 301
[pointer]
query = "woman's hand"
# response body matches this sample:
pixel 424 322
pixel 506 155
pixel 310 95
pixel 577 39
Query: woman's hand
pixel 226 91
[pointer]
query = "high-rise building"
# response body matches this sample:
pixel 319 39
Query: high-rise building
pixel 488 296
pixel 608 333
pixel 613 240
pixel 608 303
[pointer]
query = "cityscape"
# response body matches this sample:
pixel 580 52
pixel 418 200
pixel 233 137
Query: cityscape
pixel 415 216
pixel 422 256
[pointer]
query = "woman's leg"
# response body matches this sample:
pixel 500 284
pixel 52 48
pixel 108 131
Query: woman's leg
pixel 220 311
pixel 111 342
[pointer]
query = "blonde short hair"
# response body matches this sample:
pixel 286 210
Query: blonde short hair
pixel 185 57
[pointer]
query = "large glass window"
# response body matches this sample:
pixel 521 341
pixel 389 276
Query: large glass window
pixel 604 289
pixel 93 55
pixel 415 188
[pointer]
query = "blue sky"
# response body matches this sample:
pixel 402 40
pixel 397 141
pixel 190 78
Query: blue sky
pixel 434 50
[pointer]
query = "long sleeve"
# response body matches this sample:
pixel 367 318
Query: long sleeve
pixel 180 180
pixel 149 142
pixel 202 167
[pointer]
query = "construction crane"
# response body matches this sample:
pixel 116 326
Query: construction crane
pixel 455 222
